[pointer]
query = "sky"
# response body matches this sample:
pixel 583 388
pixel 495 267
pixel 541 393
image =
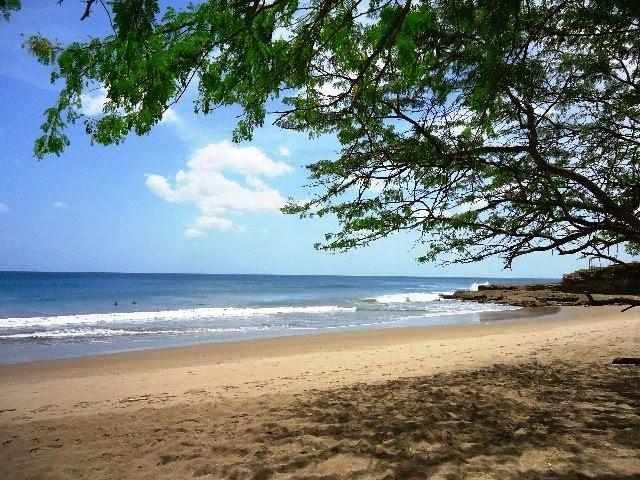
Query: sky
pixel 183 198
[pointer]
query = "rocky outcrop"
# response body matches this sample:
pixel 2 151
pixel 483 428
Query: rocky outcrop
pixel 537 295
pixel 543 295
pixel 612 285
pixel 614 279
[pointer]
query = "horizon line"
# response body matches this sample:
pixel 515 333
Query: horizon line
pixel 266 274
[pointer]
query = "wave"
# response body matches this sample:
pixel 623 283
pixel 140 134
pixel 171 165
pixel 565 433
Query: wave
pixel 420 297
pixel 474 286
pixel 167 315
pixel 119 332
pixel 92 332
pixel 480 308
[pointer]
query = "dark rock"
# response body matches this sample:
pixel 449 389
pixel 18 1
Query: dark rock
pixel 525 296
pixel 614 279
pixel 617 284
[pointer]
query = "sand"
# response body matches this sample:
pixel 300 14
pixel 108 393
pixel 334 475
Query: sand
pixel 532 398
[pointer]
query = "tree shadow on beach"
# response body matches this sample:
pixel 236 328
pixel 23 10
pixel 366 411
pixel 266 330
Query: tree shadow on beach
pixel 529 421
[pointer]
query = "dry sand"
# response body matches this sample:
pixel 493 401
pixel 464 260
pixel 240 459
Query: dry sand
pixel 532 398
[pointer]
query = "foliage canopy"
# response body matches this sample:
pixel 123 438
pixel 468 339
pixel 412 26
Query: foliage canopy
pixel 492 127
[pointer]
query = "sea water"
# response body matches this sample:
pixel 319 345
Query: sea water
pixel 57 315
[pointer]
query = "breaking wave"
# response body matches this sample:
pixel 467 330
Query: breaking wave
pixel 474 286
pixel 413 297
pixel 166 315
pixel 118 332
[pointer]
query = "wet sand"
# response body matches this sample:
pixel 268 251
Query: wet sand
pixel 532 398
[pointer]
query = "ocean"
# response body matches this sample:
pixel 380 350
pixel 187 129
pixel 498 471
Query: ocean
pixel 57 315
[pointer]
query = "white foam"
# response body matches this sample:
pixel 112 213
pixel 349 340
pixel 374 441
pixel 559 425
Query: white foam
pixel 77 332
pixel 445 309
pixel 474 286
pixel 117 332
pixel 420 297
pixel 166 315
pixel 480 308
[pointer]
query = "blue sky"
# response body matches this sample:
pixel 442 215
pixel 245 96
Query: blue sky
pixel 121 208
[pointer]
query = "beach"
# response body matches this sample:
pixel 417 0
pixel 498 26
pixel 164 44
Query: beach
pixel 527 398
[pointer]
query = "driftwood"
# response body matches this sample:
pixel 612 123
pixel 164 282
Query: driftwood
pixel 631 302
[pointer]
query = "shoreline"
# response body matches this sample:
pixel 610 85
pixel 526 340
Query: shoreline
pixel 527 398
pixel 518 314
pixel 218 368
pixel 162 312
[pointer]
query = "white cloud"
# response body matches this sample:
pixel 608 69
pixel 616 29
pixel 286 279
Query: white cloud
pixel 205 185
pixel 192 233
pixel 4 208
pixel 93 102
pixel 284 151
pixel 93 105
pixel 170 116
pixel 248 160
pixel 468 206
pixel 374 185
pixel 210 221
pixel 59 205
pixel 306 202
pixel 256 183
pixel 331 90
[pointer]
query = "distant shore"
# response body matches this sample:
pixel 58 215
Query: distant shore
pixel 242 408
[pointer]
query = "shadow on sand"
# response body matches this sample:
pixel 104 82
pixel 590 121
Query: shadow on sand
pixel 508 422
pixel 527 421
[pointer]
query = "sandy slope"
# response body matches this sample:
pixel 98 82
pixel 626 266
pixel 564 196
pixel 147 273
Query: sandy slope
pixel 528 399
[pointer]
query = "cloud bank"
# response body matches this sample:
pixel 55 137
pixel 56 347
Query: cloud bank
pixel 206 184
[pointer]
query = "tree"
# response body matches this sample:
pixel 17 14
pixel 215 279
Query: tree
pixel 492 127
pixel 8 6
